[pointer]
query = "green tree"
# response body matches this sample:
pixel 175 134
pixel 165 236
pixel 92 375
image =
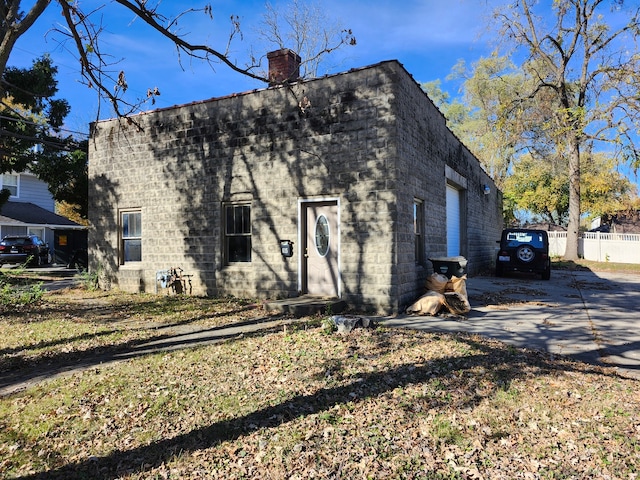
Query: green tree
pixel 455 111
pixel 604 190
pixel 511 139
pixel 67 175
pixel 542 188
pixel 83 29
pixel 30 115
pixel 492 129
pixel 539 188
pixel 487 120
pixel 31 139
pixel 583 73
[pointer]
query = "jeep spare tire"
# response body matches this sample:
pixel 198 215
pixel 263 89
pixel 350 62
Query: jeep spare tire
pixel 526 254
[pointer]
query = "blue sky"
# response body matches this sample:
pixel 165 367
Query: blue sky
pixel 427 36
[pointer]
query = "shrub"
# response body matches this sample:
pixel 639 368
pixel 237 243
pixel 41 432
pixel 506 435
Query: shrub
pixel 89 281
pixel 18 290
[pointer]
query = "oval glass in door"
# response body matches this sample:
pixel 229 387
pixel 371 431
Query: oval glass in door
pixel 322 235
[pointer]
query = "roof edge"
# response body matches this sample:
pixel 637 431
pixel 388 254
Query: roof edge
pixel 255 90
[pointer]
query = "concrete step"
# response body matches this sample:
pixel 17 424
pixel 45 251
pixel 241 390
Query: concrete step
pixel 54 271
pixel 306 305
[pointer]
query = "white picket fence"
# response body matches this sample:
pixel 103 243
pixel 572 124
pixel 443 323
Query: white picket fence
pixel 600 247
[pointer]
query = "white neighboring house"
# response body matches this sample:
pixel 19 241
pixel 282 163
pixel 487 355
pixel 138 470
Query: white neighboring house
pixel 31 210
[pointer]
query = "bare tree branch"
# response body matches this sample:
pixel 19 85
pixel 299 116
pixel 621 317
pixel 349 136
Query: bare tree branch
pixel 12 27
pixel 202 51
pixel 99 69
pixel 307 30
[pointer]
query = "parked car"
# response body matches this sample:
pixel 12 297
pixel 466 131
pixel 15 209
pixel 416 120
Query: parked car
pixel 524 250
pixel 24 249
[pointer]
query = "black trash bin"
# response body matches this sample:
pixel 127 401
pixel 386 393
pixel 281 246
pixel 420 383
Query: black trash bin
pixel 450 266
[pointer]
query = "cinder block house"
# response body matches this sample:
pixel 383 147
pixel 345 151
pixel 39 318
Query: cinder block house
pixel 341 186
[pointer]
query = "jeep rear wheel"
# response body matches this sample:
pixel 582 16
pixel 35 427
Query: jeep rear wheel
pixel 546 274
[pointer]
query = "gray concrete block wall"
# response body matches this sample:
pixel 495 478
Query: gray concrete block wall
pixel 370 139
pixel 429 152
pixel 181 164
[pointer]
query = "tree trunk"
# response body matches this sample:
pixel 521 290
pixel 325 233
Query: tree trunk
pixel 12 28
pixel 571 252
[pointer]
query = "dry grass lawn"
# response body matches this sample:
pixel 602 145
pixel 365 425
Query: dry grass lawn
pixel 295 401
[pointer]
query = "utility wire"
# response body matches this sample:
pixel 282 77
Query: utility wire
pixel 15 87
pixel 159 100
pixel 57 145
pixel 22 120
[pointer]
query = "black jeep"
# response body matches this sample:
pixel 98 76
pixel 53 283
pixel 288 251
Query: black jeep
pixel 524 250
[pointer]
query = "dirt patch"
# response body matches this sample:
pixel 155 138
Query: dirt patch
pixel 508 296
pixel 582 285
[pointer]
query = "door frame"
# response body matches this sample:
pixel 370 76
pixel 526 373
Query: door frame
pixel 453 219
pixel 458 182
pixel 302 239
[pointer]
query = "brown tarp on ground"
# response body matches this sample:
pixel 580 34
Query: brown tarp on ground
pixel 442 292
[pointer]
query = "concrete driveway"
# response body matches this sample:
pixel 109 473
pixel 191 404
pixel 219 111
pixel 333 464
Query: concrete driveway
pixel 589 316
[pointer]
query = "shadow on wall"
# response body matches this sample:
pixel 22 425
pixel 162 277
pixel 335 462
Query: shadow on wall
pixel 103 226
pixel 263 150
pixel 226 151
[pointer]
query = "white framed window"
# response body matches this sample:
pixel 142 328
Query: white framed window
pixel 10 181
pixel 38 231
pixel 130 236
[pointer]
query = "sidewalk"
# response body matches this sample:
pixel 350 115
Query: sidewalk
pixel 589 316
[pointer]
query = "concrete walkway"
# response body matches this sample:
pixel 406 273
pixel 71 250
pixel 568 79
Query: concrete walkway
pixel 589 316
pixel 166 338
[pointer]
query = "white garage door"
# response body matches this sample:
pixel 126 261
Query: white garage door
pixel 453 221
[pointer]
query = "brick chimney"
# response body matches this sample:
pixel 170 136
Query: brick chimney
pixel 284 66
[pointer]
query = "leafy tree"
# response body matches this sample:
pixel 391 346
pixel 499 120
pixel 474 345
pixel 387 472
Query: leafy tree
pixel 30 138
pixel 83 29
pixel 485 127
pixel 536 187
pixel 542 188
pixel 456 112
pixel 485 118
pixel 605 190
pixel 67 175
pixel 582 82
pixel 27 110
pixel 512 141
pixel 70 211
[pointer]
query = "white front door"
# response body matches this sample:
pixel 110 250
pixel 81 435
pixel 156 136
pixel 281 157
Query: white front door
pixel 321 249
